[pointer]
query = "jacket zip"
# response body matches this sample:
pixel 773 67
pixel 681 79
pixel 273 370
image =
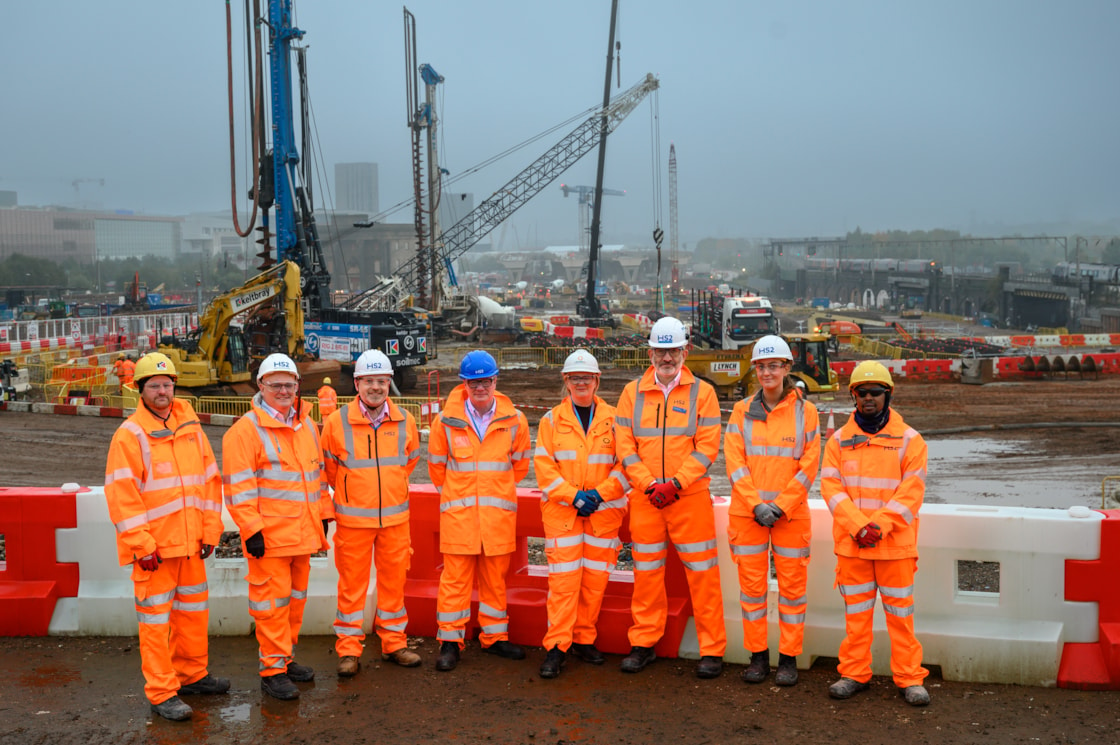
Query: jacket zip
pixel 663 422
pixel 377 460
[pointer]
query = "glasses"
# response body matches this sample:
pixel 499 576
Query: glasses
pixel 870 392
pixel 281 387
pixel 581 379
pixel 483 383
pixel 673 353
pixel 771 367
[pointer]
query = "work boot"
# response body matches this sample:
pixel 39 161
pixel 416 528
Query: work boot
pixel 506 649
pixel 846 688
pixel 348 666
pixel 300 673
pixel 448 656
pixel 280 686
pixel 637 660
pixel 174 709
pixel 404 657
pixel 207 685
pixel 710 666
pixel 553 661
pixel 915 695
pixel 759 669
pixel 588 653
pixel 787 670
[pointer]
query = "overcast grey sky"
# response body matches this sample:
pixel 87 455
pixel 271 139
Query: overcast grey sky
pixel 807 117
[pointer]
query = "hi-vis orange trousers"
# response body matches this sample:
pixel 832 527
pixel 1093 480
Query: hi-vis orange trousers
pixel 453 602
pixel 277 596
pixel 893 579
pixel 354 550
pixel 172 606
pixel 579 566
pixel 690 523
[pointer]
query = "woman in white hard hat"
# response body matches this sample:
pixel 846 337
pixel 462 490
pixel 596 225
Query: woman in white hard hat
pixel 772 450
pixel 584 504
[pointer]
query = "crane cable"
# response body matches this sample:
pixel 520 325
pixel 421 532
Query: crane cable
pixel 255 97
pixel 655 159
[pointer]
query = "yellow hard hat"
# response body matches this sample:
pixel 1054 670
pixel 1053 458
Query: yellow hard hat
pixel 327 380
pixel 870 371
pixel 121 356
pixel 152 364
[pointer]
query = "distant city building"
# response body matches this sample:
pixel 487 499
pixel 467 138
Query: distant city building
pixel 87 237
pixel 355 188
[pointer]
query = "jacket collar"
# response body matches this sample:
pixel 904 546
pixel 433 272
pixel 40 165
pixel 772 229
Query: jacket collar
pixel 457 404
pixel 649 379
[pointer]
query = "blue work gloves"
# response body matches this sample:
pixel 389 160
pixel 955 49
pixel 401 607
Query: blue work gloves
pixel 767 513
pixel 586 502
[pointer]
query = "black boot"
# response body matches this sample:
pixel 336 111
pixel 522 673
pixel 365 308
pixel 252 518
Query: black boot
pixel 759 668
pixel 787 670
pixel 280 686
pixel 637 660
pixel 448 656
pixel 553 661
pixel 588 653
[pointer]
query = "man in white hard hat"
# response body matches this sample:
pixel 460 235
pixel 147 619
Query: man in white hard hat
pixel 667 426
pixel 370 448
pixel 270 468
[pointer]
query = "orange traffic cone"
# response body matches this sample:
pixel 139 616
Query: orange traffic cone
pixel 831 424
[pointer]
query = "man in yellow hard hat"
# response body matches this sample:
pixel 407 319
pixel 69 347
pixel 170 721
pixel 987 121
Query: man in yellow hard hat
pixel 328 400
pixel 165 497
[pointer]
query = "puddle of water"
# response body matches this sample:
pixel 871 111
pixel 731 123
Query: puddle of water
pixel 236 713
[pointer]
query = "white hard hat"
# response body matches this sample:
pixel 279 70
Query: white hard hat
pixel 771 348
pixel 668 333
pixel 372 362
pixel 274 363
pixel 581 361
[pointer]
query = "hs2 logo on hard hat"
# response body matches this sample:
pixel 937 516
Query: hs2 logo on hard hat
pixel 664 338
pixel 282 363
pixel 767 350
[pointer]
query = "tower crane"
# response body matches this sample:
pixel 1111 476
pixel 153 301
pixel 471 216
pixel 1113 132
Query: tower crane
pixel 586 197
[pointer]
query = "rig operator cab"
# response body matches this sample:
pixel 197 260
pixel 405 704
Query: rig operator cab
pixel 732 322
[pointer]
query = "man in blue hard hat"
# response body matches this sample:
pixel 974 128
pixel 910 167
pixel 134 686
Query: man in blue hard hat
pixel 477 452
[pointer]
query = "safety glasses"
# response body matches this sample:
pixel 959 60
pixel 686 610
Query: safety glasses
pixel 481 383
pixel 870 392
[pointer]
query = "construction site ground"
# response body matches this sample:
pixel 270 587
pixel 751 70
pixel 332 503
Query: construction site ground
pixel 89 690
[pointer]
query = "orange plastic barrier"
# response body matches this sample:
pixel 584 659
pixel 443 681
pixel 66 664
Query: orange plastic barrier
pixel 843 368
pixel 527 586
pixel 929 369
pixel 31 579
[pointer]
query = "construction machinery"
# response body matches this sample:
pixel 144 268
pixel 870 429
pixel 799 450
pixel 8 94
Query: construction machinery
pixel 724 321
pixel 585 196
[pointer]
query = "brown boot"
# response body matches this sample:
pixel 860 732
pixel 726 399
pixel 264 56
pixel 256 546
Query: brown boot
pixel 348 666
pixel 404 657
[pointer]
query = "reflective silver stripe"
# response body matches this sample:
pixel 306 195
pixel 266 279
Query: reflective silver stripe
pixel 649 566
pixel 170 508
pixel 348 630
pixel 896 592
pixel 283 495
pixel 703 459
pixel 281 663
pixel 555 484
pixel 689 430
pixel 857 589
pixel 455 615
pixel 121 474
pixel 754 615
pixel 836 499
pixel 471 467
pixel 600 459
pixel 701 566
pixel 351 511
pixel 623 421
pixel 495 628
pixel 451 635
pixel 748 550
pixel 299 595
pixel 768 496
pixel 791 618
pixel 830 473
pixel 597 542
pixel 154 600
pixel 894 610
pixel 153 618
pixel 566 541
pixel 195 607
pixel 869 503
pixel 270 451
pixel 783 600
pixel 614 504
pixel 769 450
pixel 520 455
pixel 391 614
pixel 799 552
pixel 802 479
pixel 237 478
pixel 868 482
pixel 620 477
pixel 901 509
pixel 283 602
pixel 171 482
pixel 275 474
pixel 502 504
pixel 692 548
pixel 565 455
pixel 709 421
pixel 456 503
pixel 191 589
pixel 454 421
pixel 260 605
pixel 245 496
pixel 649 548
pixel 919 474
pixel 745 598
pixel 863 607
pixel 799 423
pixel 740 473
pixel 356 617
pixel 733 428
pixel 492 612
pixel 598 566
pixel 631 460
pixel 541 452
pixel 206 505
pixel 437 459
pixel 395 626
pixel 564 566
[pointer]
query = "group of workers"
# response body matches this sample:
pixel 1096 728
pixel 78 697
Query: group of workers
pixel 284 482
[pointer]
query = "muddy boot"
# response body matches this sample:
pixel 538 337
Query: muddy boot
pixel 300 673
pixel 553 661
pixel 787 670
pixel 348 666
pixel 207 685
pixel 280 686
pixel 759 669
pixel 637 660
pixel 846 688
pixel 915 695
pixel 174 709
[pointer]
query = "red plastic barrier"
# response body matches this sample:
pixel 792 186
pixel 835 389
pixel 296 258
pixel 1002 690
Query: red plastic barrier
pixel 527 586
pixel 1072 340
pixel 1114 338
pixel 1008 367
pixel 1096 666
pixel 928 369
pixel 31 579
pixel 1022 341
pixel 844 368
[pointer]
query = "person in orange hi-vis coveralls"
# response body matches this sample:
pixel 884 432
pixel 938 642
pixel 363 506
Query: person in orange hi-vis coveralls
pixel 667 426
pixel 583 508
pixel 874 480
pixel 772 449
pixel 370 448
pixel 270 470
pixel 128 370
pixel 119 368
pixel 328 400
pixel 477 452
pixel 165 498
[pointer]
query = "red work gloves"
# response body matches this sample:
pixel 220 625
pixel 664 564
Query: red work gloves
pixel 663 495
pixel 868 536
pixel 207 549
pixel 151 562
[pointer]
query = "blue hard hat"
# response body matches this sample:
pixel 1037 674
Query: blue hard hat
pixel 476 365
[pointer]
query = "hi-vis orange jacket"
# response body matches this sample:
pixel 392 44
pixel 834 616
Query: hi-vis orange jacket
pixel 660 439
pixel 477 480
pixel 567 460
pixel 328 402
pixel 271 476
pixel 879 478
pixel 772 456
pixel 369 469
pixel 163 485
pixel 128 369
